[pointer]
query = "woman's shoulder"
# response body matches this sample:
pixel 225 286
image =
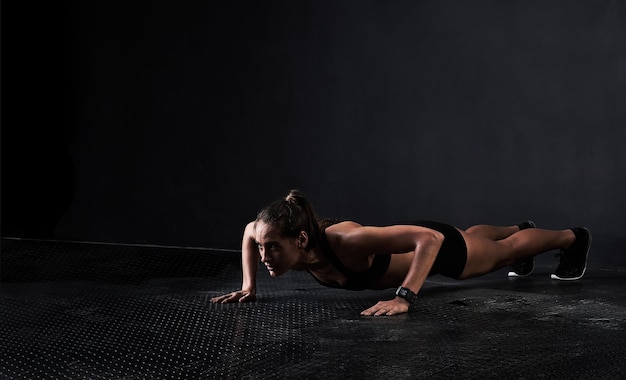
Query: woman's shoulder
pixel 338 227
pixel 337 234
pixel 346 240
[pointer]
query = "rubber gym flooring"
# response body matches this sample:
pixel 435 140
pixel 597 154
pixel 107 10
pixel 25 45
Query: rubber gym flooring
pixel 92 311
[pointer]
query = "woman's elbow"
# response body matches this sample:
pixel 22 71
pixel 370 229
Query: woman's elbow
pixel 430 238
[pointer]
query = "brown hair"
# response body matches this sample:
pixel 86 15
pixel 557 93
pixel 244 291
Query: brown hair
pixel 291 215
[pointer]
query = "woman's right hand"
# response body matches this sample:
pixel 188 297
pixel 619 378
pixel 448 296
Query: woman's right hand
pixel 237 296
pixel 250 264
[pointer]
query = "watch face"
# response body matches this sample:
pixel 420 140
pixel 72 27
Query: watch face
pixel 406 294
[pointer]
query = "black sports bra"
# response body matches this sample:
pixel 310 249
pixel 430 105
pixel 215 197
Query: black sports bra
pixel 355 280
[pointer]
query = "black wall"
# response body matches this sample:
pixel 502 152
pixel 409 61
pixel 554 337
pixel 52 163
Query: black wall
pixel 173 123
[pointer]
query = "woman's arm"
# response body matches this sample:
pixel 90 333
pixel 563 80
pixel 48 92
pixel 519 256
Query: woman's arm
pixel 249 264
pixel 424 242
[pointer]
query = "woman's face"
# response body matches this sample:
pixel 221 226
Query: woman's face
pixel 278 253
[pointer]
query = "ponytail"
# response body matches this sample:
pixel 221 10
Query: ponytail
pixel 291 215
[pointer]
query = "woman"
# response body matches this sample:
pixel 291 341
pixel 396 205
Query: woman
pixel 287 235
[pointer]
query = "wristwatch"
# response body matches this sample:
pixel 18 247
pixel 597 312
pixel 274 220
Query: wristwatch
pixel 406 293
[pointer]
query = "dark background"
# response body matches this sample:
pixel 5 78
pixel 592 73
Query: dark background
pixel 174 123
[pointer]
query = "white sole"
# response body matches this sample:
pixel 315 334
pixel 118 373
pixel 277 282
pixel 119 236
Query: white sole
pixel 555 277
pixel 513 274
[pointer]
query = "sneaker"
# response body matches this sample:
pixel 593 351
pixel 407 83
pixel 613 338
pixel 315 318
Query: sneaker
pixel 573 262
pixel 523 267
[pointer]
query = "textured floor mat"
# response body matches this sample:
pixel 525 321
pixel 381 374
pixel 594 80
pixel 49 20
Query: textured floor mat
pixel 83 311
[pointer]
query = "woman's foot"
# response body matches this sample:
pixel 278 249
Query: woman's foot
pixel 523 267
pixel 573 261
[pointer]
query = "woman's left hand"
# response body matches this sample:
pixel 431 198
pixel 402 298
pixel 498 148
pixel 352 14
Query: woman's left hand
pixel 392 307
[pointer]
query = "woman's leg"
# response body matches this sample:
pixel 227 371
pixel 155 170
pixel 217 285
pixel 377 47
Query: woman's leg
pixel 498 232
pixel 485 255
pixel 492 232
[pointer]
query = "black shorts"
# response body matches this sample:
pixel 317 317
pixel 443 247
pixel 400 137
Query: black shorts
pixel 452 256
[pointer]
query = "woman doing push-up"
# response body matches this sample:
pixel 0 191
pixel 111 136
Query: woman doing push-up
pixel 344 254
